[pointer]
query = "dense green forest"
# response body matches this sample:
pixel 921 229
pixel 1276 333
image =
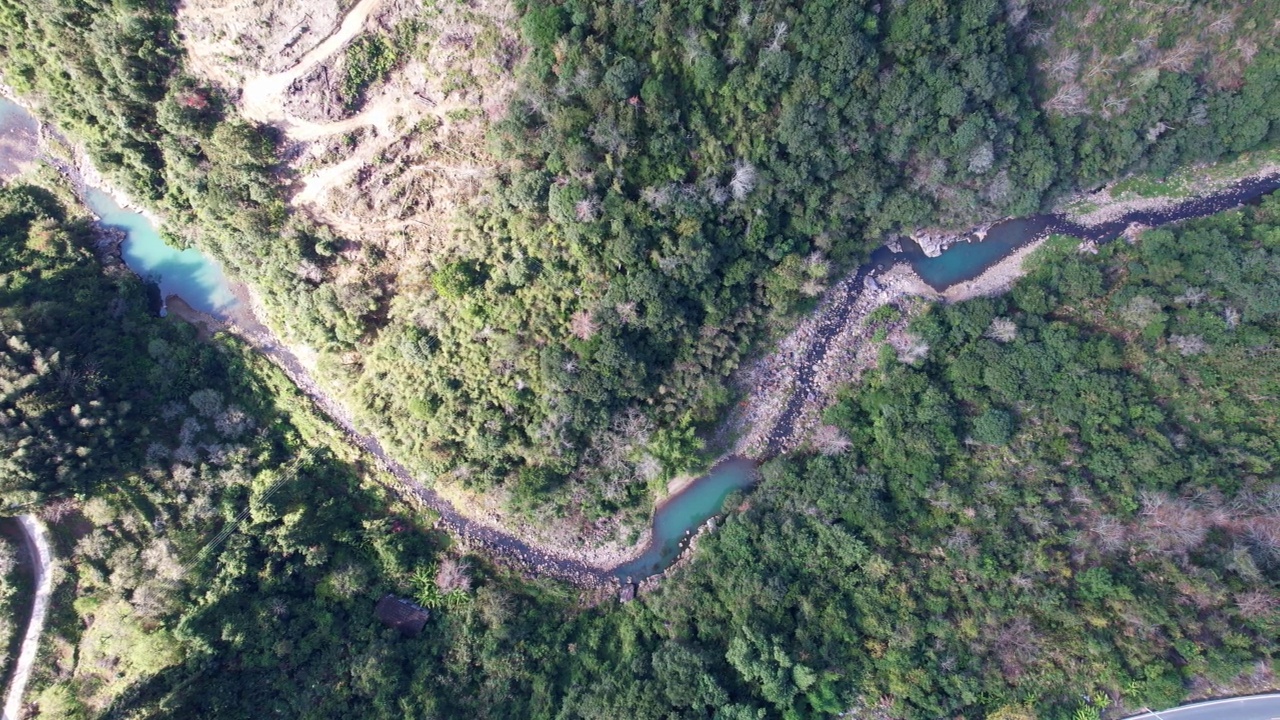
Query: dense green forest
pixel 1068 502
pixel 677 180
pixel 13 588
pixel 140 444
pixel 1072 493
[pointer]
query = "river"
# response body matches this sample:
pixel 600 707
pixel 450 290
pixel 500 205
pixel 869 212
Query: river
pixel 970 257
pixel 199 281
pixel 188 273
pixel 678 516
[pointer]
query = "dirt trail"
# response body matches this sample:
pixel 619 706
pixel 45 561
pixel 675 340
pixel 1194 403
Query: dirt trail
pixel 36 541
pixel 316 182
pixel 262 97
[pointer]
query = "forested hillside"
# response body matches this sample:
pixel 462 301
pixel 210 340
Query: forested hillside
pixel 1152 85
pixel 676 181
pixel 1066 501
pixel 1072 493
pixel 140 444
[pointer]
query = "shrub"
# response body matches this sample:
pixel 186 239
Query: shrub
pixel 993 427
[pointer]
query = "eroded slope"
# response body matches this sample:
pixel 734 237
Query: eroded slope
pixel 384 109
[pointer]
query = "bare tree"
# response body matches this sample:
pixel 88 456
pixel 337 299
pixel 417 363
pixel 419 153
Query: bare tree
pixel 1256 604
pixel 1182 56
pixel 633 427
pixel 627 311
pixel 1064 65
pixel 55 510
pixel 744 179
pixel 1002 330
pixel 829 440
pixel 1192 296
pixel 277 607
pixel 1222 25
pixel 981 160
pixel 1247 49
pixel 1140 312
pixel 1170 525
pixel 153 599
pixel 161 559
pixel 1017 646
pixel 1100 68
pixel 816 271
pixel 608 136
pixel 1114 106
pixel 1108 533
pixel 1068 100
pixel 93 546
pixel 779 36
pixel 495 605
pixel 453 575
pixel 714 192
pixel 587 209
pixel 1264 533
pixel 911 349
pixel 1038 36
pixel 648 467
pixel 1015 12
pixel 1188 344
pixel 583 325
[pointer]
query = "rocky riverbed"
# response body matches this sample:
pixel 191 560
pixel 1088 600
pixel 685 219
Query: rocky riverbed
pixel 790 386
pixel 788 389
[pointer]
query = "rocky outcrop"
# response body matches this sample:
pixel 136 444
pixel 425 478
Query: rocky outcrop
pixel 933 243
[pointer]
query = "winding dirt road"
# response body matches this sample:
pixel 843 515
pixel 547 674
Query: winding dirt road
pixel 262 97
pixel 36 542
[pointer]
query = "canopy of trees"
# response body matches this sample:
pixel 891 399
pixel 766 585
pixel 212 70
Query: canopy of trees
pixel 680 179
pixel 1072 493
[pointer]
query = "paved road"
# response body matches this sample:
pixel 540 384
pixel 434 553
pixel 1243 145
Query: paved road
pixel 37 544
pixel 1254 707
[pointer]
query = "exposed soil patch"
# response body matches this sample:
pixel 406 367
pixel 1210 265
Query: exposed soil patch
pixel 317 96
pixel 390 173
pixel 228 40
pixel 19 143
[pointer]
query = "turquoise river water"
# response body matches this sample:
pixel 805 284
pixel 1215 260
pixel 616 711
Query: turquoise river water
pixel 199 281
pixel 686 511
pixel 189 274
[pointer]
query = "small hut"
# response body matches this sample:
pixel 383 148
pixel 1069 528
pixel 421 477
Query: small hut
pixel 407 617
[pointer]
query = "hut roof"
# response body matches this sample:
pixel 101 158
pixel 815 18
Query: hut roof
pixel 407 617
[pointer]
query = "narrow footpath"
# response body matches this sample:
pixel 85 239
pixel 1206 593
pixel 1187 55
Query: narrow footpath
pixel 36 543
